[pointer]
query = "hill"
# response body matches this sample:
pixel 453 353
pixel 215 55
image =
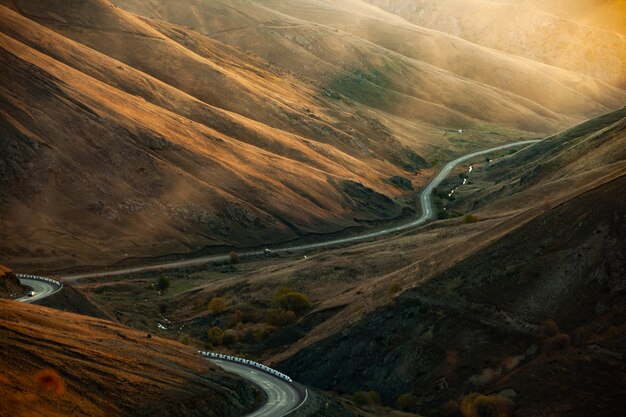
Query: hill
pixel 523 310
pixel 133 136
pixel 62 364
pixel 581 36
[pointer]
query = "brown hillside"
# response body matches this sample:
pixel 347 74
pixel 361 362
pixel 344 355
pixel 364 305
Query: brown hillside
pixel 94 367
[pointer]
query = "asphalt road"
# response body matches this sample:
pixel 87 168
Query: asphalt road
pixel 281 396
pixel 42 290
pixel 428 213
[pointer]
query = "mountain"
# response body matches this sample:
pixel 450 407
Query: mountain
pixel 583 36
pixel 147 130
pixel 531 308
pixel 62 364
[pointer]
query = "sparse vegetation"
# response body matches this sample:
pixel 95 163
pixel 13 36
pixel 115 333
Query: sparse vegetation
pixel 480 405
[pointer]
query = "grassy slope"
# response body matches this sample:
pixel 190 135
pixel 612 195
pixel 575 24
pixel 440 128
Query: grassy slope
pixel 107 370
pixel 151 147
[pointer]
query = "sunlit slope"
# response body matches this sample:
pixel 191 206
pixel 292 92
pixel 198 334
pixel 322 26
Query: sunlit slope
pixel 603 14
pixel 103 159
pixel 96 368
pixel 581 36
pixel 558 90
pixel 385 62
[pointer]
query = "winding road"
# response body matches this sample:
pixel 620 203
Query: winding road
pixel 282 397
pixel 427 210
pixel 42 289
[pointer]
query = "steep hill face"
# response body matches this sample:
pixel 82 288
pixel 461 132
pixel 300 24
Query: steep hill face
pixel 61 364
pixel 551 248
pixel 582 36
pixel 112 151
pixel 9 284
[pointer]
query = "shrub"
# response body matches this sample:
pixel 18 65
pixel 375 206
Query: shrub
pixel 394 289
pixel 292 300
pixel 262 332
pixel 362 398
pixel 163 283
pixel 557 343
pixel 233 258
pixel 230 337
pixel 279 317
pixel 470 218
pixel 217 305
pixel 406 402
pixel 215 336
pixel 162 308
pixel 235 319
pixel 479 405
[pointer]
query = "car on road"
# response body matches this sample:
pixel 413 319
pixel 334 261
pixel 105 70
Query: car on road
pixel 31 293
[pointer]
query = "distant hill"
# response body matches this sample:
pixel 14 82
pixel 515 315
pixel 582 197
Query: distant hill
pixel 584 36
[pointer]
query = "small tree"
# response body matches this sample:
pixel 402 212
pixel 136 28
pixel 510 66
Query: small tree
pixel 292 300
pixel 233 257
pixel 215 336
pixel 217 305
pixel 163 283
